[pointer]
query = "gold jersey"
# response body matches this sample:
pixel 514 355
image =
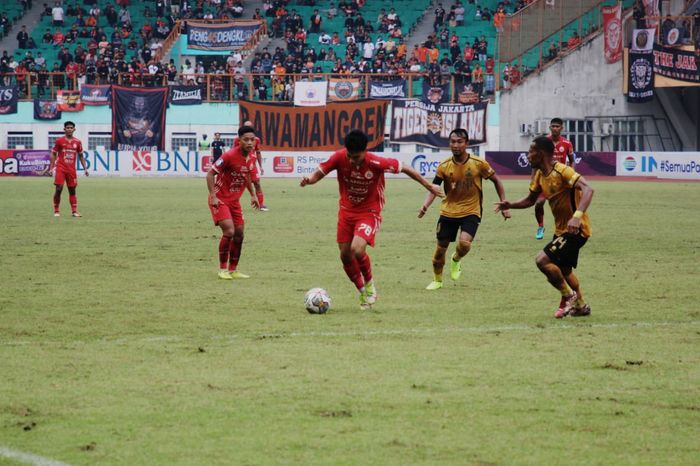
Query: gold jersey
pixel 559 188
pixel 463 186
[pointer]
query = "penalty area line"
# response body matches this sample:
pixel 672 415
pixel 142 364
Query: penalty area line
pixel 29 458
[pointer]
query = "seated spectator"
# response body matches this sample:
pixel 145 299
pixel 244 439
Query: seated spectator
pixel 335 40
pixel 552 52
pixel 324 39
pixel 574 40
pixel 332 12
pixel 58 38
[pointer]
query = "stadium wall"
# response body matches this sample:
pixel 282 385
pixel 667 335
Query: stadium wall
pixel 580 86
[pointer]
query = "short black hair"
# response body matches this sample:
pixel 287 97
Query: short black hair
pixel 556 121
pixel 356 141
pixel 460 132
pixel 69 123
pixel 544 144
pixel 245 130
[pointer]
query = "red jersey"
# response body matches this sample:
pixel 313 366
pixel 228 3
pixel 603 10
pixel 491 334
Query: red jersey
pixel 562 149
pixel 361 188
pixel 67 151
pixel 233 170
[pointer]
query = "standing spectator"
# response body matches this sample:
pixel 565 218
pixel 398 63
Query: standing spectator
pixel 57 14
pixel 315 26
pixel 439 18
pixel 22 38
pixel 203 145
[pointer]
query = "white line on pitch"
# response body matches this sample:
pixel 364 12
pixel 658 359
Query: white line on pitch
pixel 29 458
pixel 365 333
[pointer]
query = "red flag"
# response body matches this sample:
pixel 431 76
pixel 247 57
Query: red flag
pixel 612 28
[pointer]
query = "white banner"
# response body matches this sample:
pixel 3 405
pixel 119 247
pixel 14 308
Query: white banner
pixel 667 165
pixel 310 93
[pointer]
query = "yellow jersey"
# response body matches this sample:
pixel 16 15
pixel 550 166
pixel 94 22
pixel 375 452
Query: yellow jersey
pixel 463 185
pixel 559 188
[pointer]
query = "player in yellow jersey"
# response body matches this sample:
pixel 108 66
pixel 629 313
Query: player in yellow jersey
pixel 461 209
pixel 569 196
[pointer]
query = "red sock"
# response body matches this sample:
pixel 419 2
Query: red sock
pixel 224 245
pixel 234 254
pixel 365 267
pixel 352 269
pixel 261 198
pixel 73 202
pixel 56 201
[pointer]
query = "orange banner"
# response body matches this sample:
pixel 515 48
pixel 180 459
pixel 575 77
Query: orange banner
pixel 287 128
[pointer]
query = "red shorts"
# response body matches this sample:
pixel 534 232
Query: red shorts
pixel 68 177
pixel 362 224
pixel 230 211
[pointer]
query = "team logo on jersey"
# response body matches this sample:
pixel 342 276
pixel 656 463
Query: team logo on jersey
pixel 369 175
pixel 141 162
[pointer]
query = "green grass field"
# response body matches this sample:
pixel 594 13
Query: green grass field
pixel 119 346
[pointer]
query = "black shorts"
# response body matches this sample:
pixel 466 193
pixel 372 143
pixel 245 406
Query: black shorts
pixel 563 250
pixel 447 227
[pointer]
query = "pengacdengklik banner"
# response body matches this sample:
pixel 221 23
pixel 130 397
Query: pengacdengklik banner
pixel 430 124
pixel 220 36
pixel 283 127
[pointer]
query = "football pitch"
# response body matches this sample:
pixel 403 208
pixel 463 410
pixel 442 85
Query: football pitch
pixel 119 345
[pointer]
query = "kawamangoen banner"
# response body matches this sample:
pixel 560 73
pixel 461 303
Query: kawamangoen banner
pixel 220 36
pixel 430 124
pixel 282 127
pixel 138 118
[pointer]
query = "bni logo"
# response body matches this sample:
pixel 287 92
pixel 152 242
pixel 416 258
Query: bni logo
pixel 629 163
pixel 141 162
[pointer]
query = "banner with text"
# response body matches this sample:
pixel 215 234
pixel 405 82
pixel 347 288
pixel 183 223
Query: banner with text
pixel 395 89
pixel 186 95
pixel 676 63
pixel 46 110
pixel 8 99
pixel 415 121
pixel 69 101
pixel 94 94
pixel 138 118
pixel 640 77
pixel 285 127
pixel 24 162
pixel 667 165
pixel 220 36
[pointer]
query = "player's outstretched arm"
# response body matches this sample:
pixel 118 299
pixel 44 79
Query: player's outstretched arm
pixel 523 203
pixel 500 190
pixel 312 179
pixel 435 190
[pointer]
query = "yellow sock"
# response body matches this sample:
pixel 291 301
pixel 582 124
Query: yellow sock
pixel 455 258
pixel 580 302
pixel 565 291
pixel 438 277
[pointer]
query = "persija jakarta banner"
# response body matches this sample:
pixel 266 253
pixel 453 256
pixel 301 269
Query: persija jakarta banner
pixel 69 101
pixel 343 89
pixel 430 124
pixel 46 110
pixel 310 93
pixel 94 94
pixel 8 99
pixel 612 27
pixel 283 127
pixel 220 36
pixel 676 63
pixel 138 118
pixel 640 79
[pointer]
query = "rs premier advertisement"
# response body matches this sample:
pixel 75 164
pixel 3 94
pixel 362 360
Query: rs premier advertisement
pixel 665 165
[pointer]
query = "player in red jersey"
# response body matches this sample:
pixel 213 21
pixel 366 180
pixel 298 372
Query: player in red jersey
pixel 563 153
pixel 255 175
pixel 64 157
pixel 226 180
pixel 361 183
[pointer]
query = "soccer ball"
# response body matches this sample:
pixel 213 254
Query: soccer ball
pixel 317 301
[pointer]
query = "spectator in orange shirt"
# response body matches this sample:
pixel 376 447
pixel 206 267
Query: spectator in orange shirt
pixel 573 41
pixel 433 55
pixel 498 19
